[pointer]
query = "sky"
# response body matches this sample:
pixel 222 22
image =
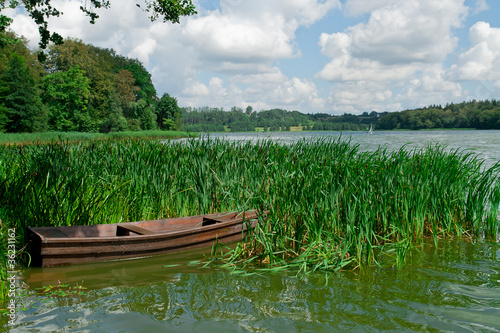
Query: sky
pixel 328 56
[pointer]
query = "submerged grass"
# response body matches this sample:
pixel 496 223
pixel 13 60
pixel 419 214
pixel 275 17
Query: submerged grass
pixel 329 204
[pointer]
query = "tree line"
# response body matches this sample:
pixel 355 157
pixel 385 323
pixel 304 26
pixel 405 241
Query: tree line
pixel 78 87
pixel 472 114
pixel 208 119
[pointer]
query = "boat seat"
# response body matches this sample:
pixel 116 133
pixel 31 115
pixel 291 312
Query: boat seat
pixel 210 221
pixel 53 233
pixel 123 230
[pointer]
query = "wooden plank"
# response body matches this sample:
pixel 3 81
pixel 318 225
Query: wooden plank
pixel 214 220
pixel 53 233
pixel 136 229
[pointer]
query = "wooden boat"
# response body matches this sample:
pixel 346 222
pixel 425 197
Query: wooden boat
pixel 56 246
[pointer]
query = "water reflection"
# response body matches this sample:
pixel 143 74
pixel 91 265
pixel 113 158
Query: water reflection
pixel 453 287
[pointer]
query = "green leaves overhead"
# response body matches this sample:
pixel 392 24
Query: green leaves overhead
pixel 41 10
pixel 170 10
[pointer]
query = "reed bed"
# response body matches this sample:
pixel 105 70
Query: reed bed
pixel 50 137
pixel 329 204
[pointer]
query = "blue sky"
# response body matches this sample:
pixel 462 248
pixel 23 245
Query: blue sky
pixel 331 56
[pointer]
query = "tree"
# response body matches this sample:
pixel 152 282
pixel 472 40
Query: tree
pixel 41 10
pixel 67 96
pixel 141 112
pixel 21 107
pixel 21 48
pixel 97 69
pixel 124 85
pixel 249 110
pixel 4 119
pixel 169 113
pixel 115 122
pixel 143 80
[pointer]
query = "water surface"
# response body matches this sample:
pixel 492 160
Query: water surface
pixel 453 285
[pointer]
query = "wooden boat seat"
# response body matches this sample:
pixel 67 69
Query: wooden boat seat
pixel 135 229
pixel 210 221
pixel 54 233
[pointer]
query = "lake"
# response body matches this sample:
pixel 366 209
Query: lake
pixel 453 285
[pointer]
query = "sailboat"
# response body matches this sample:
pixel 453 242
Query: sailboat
pixel 371 129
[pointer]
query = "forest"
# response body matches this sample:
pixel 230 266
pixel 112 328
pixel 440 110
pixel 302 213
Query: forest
pixel 473 114
pixel 78 87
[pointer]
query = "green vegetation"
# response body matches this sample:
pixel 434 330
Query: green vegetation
pixel 473 114
pixel 51 137
pixel 330 205
pixel 206 119
pixel 466 115
pixel 80 88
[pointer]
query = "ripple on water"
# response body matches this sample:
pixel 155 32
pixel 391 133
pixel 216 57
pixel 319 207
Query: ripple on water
pixel 454 287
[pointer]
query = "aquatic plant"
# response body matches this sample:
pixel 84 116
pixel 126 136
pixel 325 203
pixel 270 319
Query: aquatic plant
pixel 50 137
pixel 329 204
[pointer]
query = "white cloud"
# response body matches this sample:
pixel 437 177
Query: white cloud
pixel 480 63
pixel 196 89
pixel 358 7
pixel 249 32
pixel 481 6
pixel 361 96
pixel 482 60
pixel 219 37
pixel 395 57
pixel 401 32
pixel 264 91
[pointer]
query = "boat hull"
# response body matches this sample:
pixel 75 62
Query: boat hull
pixel 57 246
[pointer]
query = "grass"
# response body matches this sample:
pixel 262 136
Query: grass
pixel 331 206
pixel 49 137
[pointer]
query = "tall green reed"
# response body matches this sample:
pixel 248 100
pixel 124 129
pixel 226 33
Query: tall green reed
pixel 329 204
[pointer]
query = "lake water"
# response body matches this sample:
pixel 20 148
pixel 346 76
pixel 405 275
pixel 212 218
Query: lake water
pixel 484 143
pixel 450 286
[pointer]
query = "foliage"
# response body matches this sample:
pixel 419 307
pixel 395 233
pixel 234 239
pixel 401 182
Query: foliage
pixel 206 128
pixel 144 113
pixel 115 122
pixel 170 10
pixel 19 47
pixel 79 85
pixel 169 114
pixel 42 10
pixel 242 126
pixel 473 114
pixel 66 94
pixel 213 119
pixel 142 78
pixel 125 86
pixel 62 290
pixel 19 99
